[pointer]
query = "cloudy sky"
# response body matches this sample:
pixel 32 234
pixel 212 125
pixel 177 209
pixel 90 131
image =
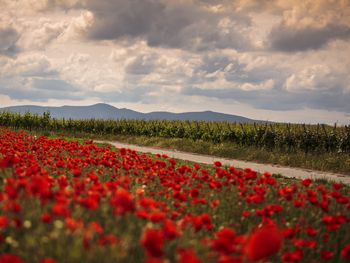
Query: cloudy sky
pixel 278 60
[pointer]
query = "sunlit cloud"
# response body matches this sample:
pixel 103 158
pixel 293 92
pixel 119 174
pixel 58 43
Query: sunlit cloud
pixel 278 57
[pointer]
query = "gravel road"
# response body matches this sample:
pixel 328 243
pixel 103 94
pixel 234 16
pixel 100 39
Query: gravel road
pixel 284 171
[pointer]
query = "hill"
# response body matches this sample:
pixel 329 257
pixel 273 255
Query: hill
pixel 105 111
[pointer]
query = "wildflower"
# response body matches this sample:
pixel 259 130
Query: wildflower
pixel 263 243
pixel 224 241
pixel 153 241
pixel 326 255
pixel 345 253
pixel 187 256
pixel 3 222
pixel 47 260
pixel 10 258
pixel 291 257
pixel 169 230
pixel 217 164
pixel 306 182
pixel 122 202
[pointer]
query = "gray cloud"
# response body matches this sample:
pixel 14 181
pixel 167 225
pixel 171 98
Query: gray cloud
pixel 181 25
pixel 139 94
pixel 277 99
pixel 142 65
pixel 8 39
pixel 117 19
pixel 56 85
pixel 258 99
pixel 211 64
pixel 289 39
pixel 260 80
pixel 31 77
pixel 233 69
pixel 38 91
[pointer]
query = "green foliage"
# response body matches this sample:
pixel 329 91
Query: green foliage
pixel 285 137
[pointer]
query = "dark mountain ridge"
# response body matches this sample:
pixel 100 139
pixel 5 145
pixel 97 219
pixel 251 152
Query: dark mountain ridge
pixel 106 111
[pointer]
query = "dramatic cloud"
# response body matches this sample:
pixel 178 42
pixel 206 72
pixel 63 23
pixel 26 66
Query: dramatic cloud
pixel 39 90
pixel 8 39
pixel 248 57
pixel 39 34
pixel 32 76
pixel 291 39
pixel 28 65
pixel 314 78
pixel 182 24
pixel 309 25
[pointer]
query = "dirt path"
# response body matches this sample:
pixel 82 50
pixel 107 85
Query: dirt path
pixel 285 171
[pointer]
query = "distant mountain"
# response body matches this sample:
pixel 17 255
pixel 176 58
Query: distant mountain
pixel 105 111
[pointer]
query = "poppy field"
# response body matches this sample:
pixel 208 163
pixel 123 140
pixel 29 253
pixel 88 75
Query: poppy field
pixel 64 201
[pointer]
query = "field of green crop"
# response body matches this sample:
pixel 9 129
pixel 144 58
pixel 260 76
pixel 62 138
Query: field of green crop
pixel 285 137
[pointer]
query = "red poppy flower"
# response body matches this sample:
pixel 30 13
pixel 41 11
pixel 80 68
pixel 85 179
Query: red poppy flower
pixel 9 258
pixel 345 253
pixel 187 256
pixel 306 182
pixel 48 260
pixel 153 241
pixel 217 164
pixel 122 202
pixel 291 257
pixel 169 230
pixel 326 255
pixel 263 242
pixel 224 242
pixel 46 218
pixel 3 222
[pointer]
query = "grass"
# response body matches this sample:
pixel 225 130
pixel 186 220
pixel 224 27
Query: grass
pixel 328 162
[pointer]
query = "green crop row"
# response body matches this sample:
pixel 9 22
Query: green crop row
pixel 285 137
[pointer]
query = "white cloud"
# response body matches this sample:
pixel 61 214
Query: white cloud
pixel 266 85
pixel 36 35
pixel 24 7
pixel 78 26
pixel 33 64
pixel 314 78
pixel 88 74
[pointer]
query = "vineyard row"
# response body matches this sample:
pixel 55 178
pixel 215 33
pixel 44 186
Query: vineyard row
pixel 285 137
